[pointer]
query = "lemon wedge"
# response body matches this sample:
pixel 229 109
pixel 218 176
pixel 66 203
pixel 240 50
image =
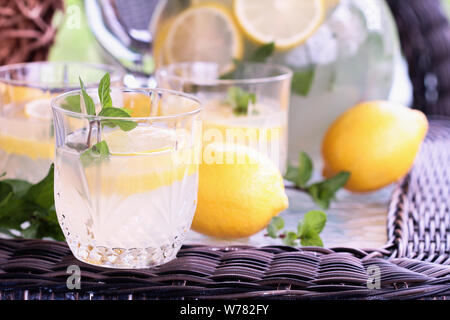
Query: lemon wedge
pixel 38 109
pixel 141 140
pixel 204 32
pixel 288 23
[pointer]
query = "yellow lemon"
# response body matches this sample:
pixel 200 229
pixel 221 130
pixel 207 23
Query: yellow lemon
pixel 240 191
pixel 203 32
pixel 18 94
pixel 376 141
pixel 288 23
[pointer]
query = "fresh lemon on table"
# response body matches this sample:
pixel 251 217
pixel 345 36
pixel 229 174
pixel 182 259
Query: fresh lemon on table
pixel 376 142
pixel 203 32
pixel 288 23
pixel 240 191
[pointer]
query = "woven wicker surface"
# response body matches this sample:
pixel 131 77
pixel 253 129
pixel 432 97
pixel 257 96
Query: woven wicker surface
pixel 36 269
pixel 419 213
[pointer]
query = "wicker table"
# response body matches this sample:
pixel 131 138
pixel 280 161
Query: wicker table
pixel 414 263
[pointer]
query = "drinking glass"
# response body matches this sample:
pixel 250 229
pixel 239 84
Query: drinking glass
pixel 247 107
pixel 26 129
pixel 129 206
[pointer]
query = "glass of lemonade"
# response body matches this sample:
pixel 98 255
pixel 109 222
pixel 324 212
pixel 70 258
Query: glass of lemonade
pixel 130 207
pixel 249 108
pixel 26 128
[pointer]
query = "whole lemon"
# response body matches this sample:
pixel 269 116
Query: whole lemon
pixel 240 191
pixel 376 142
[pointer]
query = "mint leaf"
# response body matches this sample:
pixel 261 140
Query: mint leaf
pixel 276 224
pixel 96 154
pixel 72 103
pixel 325 191
pixel 117 112
pixel 239 99
pixel 290 238
pixel 88 102
pixel 22 202
pixel 302 82
pixel 42 192
pixel 305 169
pixel 300 175
pixel 6 191
pixel 313 220
pixel 308 230
pixel 311 239
pixel 104 91
pixel 262 53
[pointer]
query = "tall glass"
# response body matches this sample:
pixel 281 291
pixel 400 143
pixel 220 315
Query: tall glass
pixel 26 129
pixel 130 206
pixel 249 108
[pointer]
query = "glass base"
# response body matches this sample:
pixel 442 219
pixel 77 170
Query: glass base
pixel 120 258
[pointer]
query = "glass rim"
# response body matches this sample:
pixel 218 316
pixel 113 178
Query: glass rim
pixel 285 73
pixel 55 104
pixel 116 73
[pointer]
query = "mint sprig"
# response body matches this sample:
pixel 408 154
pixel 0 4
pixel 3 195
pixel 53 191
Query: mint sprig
pixel 261 54
pixel 239 100
pixel 96 154
pixel 307 233
pixel 322 192
pixel 100 151
pixel 29 208
pixel 302 81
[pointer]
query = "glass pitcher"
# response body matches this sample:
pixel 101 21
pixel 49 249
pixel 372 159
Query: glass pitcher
pixel 341 51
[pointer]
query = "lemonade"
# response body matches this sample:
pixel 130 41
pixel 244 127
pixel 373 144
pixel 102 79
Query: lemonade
pixel 26 128
pixel 26 143
pixel 341 51
pixel 266 131
pixel 133 207
pixel 249 109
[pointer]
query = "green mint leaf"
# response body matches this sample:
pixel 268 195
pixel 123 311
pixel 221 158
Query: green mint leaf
pixel 291 174
pixel 117 112
pixel 72 103
pixel 262 53
pixel 239 100
pixel 104 91
pixel 20 187
pixel 2 174
pixel 88 102
pixel 323 192
pixel 233 73
pixel 290 238
pixel 42 192
pixel 96 154
pixel 275 225
pixel 313 220
pixel 6 191
pixel 302 82
pixel 22 202
pixel 311 239
pixel 305 169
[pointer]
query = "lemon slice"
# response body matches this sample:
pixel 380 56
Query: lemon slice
pixel 38 109
pixel 288 23
pixel 205 32
pixel 141 140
